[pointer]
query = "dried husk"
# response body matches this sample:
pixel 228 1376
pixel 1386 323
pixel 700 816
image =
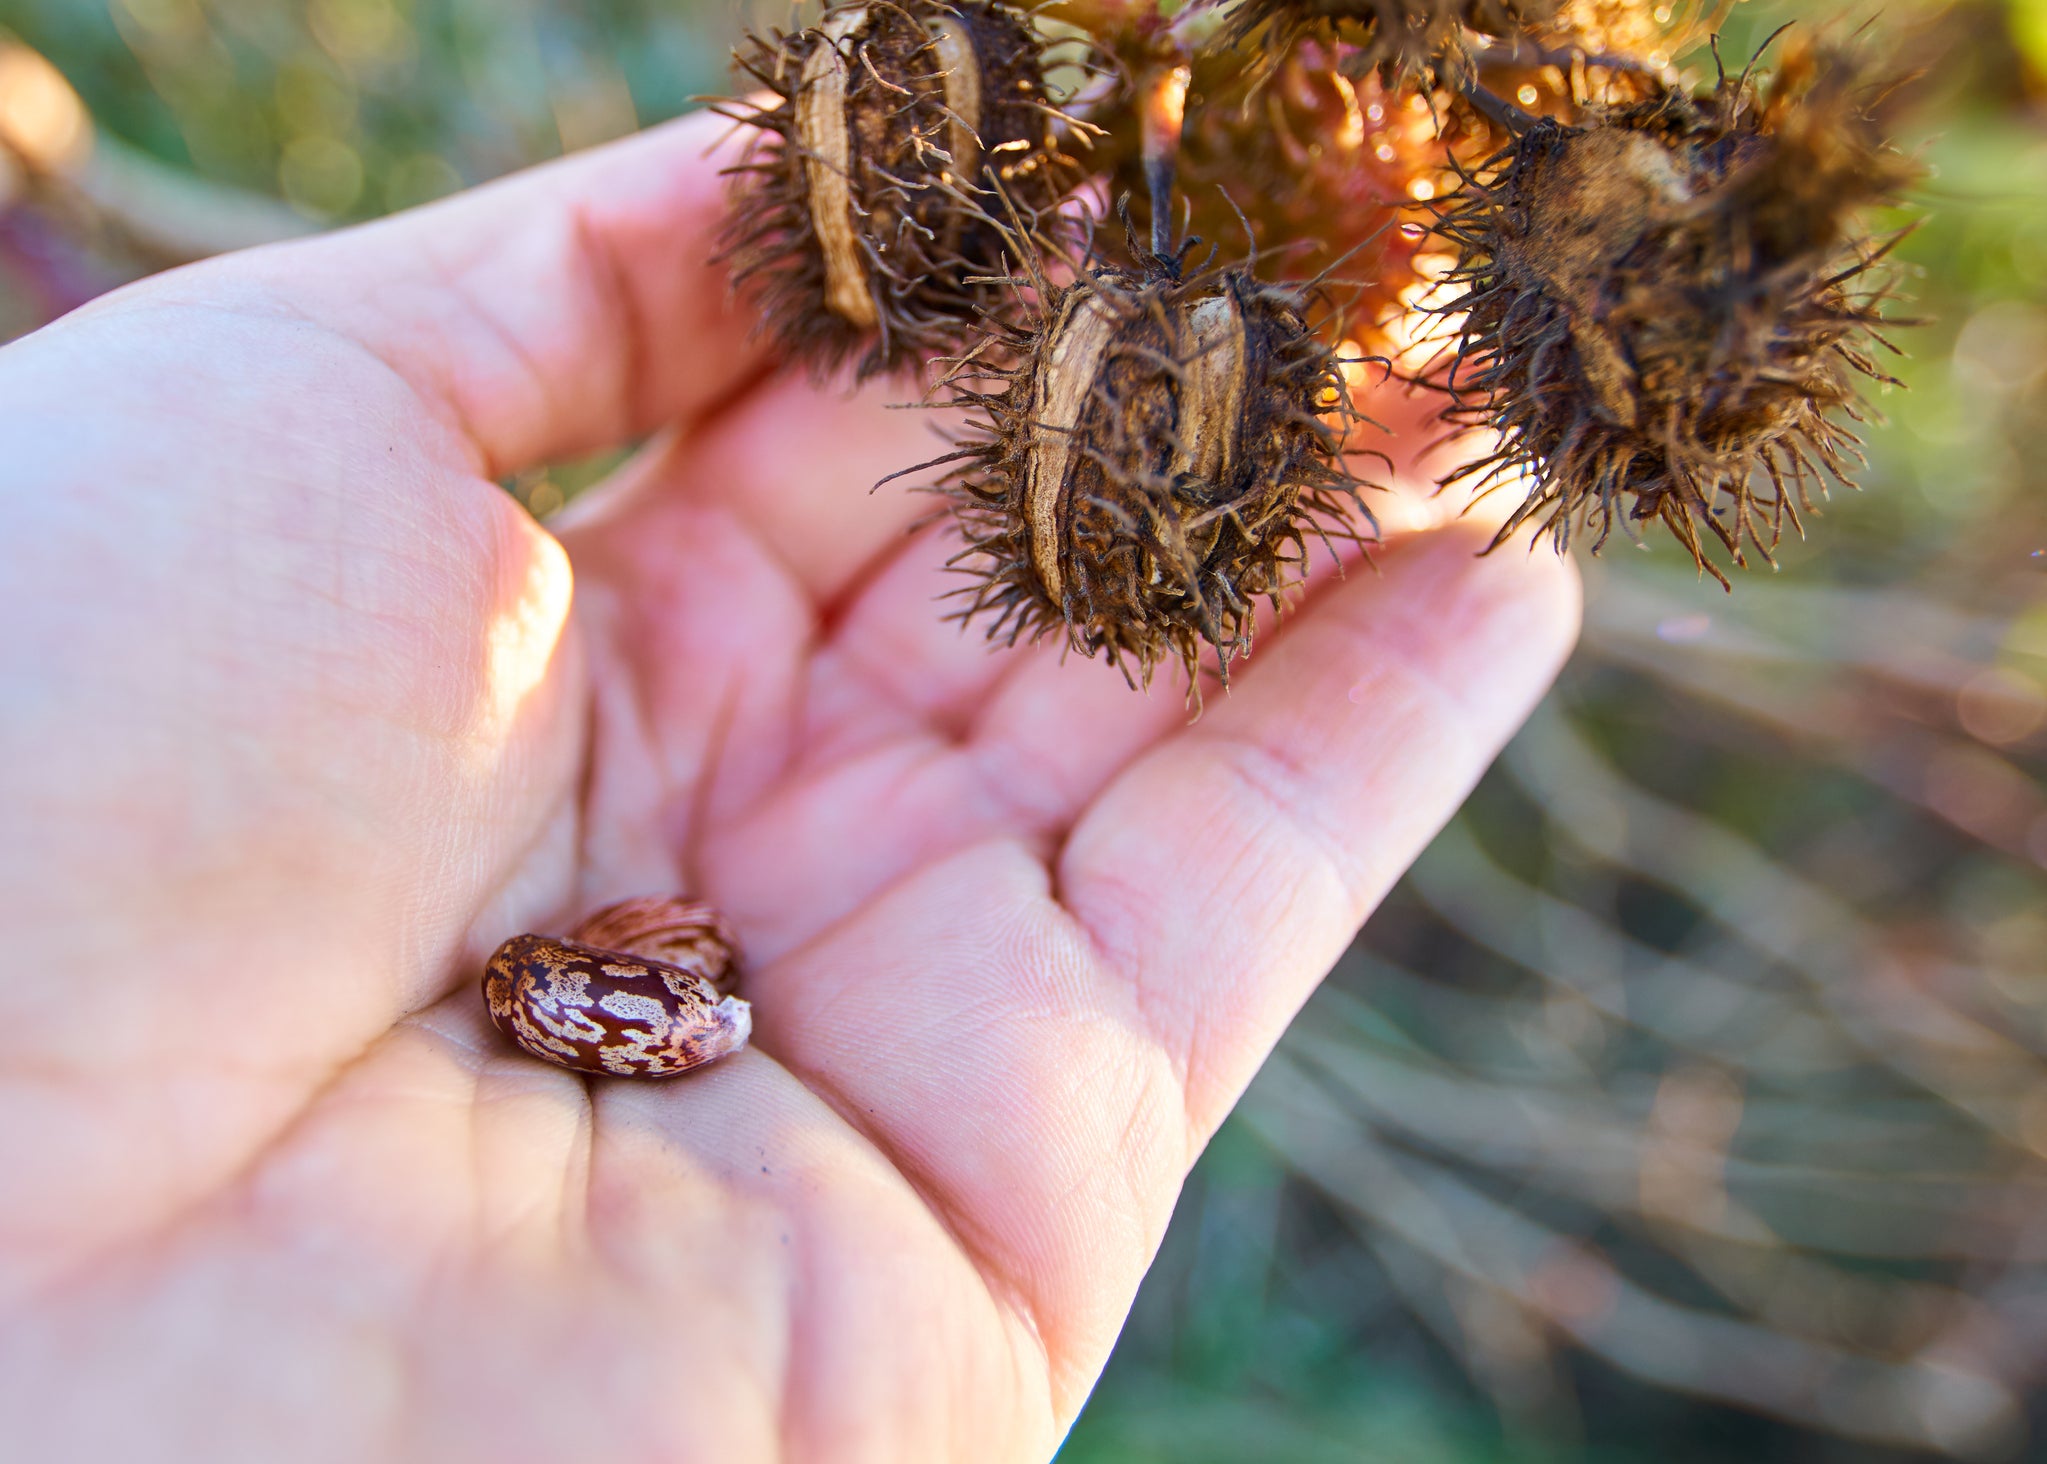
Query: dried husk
pixel 907 142
pixel 1151 465
pixel 1666 313
pixel 1405 40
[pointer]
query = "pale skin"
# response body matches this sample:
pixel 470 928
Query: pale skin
pixel 300 715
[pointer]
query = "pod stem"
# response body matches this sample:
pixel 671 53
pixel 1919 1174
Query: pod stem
pixel 1494 107
pixel 1163 113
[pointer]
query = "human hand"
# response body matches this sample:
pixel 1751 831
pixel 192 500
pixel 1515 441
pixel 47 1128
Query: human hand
pixel 301 719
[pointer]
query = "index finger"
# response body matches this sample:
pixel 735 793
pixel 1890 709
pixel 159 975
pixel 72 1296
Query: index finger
pixel 1040 1051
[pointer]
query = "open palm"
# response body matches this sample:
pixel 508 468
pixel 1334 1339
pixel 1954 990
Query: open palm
pixel 301 715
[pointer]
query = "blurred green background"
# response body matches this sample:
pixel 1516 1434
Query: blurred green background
pixel 1689 1101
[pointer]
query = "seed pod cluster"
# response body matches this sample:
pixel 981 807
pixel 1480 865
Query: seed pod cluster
pixel 1665 311
pixel 865 221
pixel 639 990
pixel 1151 465
pixel 1661 303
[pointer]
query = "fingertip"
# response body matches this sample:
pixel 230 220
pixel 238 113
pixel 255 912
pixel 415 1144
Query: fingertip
pixel 1475 631
pixel 1230 865
pixel 1508 611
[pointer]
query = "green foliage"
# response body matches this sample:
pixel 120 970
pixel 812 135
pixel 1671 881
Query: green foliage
pixel 351 108
pixel 1739 824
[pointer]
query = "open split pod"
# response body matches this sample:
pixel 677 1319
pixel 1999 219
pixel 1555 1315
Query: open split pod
pixel 1150 456
pixel 905 140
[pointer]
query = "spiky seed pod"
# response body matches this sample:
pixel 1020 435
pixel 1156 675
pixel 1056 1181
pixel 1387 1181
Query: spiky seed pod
pixel 1151 465
pixel 1586 53
pixel 1663 310
pixel 1406 40
pixel 866 222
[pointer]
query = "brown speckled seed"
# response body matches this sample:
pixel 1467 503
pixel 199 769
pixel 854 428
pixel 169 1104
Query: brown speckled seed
pixel 629 1013
pixel 685 933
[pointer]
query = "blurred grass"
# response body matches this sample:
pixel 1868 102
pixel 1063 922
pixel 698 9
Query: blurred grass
pixel 1688 1102
pixel 1722 1002
pixel 350 108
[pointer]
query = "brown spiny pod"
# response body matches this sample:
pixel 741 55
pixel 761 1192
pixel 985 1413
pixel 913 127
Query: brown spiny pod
pixel 639 990
pixel 906 138
pixel 1149 466
pixel 1403 39
pixel 1662 311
